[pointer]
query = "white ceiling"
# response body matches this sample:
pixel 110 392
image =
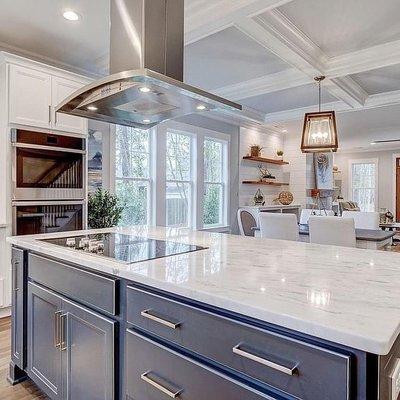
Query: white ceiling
pixel 39 28
pixel 228 57
pixel 379 80
pixel 300 96
pixel 262 53
pixel 343 26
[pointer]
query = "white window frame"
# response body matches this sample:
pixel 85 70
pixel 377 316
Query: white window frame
pixel 190 182
pixel 364 161
pixel 224 209
pixel 157 180
pixel 149 180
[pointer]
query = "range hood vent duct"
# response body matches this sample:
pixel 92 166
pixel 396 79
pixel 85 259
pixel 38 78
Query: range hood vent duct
pixel 146 63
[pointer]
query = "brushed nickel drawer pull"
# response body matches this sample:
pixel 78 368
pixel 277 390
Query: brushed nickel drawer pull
pixel 62 331
pixel 263 361
pixel 161 388
pixel 57 339
pixel 146 314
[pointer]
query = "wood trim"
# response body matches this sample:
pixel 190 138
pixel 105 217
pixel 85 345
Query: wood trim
pixel 265 183
pixel 265 160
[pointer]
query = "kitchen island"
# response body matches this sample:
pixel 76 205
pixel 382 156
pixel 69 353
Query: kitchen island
pixel 236 318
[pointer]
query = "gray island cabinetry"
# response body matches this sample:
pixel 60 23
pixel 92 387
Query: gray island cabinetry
pixel 83 333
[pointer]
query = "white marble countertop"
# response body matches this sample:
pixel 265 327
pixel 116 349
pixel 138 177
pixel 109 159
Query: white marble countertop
pixel 345 295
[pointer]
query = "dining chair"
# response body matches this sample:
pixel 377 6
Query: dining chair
pixel 246 222
pixel 279 226
pixel 307 212
pixel 332 230
pixel 363 219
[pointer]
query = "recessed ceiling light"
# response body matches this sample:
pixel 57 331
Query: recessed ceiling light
pixel 92 108
pixel 372 143
pixel 144 89
pixel 146 121
pixel 71 15
pixel 201 107
pixel 284 130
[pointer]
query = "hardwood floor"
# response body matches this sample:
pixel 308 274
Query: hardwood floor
pixel 23 391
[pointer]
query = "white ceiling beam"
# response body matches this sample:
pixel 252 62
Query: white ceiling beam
pixel 279 35
pixel 298 113
pixel 265 84
pixel 374 57
pixel 373 101
pixel 206 17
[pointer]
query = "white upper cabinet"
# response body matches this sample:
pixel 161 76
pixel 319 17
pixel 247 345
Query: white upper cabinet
pixel 30 97
pixel 61 89
pixel 34 95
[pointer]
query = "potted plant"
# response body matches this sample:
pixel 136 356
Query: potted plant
pixel 104 209
pixel 255 150
pixel 279 153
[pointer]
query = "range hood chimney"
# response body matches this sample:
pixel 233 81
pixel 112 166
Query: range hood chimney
pixel 146 63
pixel 147 34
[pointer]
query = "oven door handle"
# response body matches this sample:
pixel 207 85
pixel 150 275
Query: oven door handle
pixel 52 148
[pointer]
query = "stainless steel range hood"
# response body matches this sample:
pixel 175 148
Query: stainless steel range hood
pixel 146 63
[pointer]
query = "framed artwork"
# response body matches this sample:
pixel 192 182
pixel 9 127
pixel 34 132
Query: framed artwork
pixel 323 166
pixel 95 160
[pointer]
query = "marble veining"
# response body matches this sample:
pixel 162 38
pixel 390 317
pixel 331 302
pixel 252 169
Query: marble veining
pixel 345 295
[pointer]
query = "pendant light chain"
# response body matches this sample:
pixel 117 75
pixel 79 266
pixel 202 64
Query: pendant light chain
pixel 319 96
pixel 319 79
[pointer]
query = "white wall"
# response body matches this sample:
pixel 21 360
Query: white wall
pixel 298 166
pixel 385 171
pixel 271 142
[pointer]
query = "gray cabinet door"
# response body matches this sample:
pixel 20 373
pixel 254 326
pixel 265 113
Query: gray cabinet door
pixel 44 354
pixel 88 359
pixel 17 302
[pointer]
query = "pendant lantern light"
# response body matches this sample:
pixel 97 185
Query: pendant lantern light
pixel 319 129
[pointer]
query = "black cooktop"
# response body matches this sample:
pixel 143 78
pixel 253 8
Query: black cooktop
pixel 124 248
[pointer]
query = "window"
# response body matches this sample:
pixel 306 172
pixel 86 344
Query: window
pixel 178 179
pixel 214 183
pixel 174 175
pixel 132 174
pixel 363 184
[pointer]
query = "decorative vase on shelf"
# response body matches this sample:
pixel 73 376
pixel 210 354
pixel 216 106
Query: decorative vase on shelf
pixel 279 155
pixel 259 198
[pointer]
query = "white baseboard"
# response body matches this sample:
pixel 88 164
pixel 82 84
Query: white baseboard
pixel 5 312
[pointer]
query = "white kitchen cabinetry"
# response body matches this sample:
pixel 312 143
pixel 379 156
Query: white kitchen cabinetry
pixel 61 89
pixel 34 95
pixel 29 97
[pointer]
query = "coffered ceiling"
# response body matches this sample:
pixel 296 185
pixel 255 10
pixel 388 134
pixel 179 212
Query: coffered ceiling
pixel 355 44
pixel 262 53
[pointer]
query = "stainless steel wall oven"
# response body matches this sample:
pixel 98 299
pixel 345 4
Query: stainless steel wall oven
pixel 47 167
pixel 49 182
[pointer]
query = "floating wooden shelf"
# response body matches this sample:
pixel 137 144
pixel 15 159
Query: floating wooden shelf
pixel 265 160
pixel 265 183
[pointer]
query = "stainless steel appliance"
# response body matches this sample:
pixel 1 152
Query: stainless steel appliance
pixel 47 167
pixel 31 218
pixel 124 248
pixel 146 60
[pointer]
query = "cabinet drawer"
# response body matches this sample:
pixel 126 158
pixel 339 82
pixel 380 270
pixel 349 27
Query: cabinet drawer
pixel 154 372
pixel 298 368
pixel 87 288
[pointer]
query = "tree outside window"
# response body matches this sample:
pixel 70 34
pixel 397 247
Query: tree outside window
pixel 132 174
pixel 178 179
pixel 214 183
